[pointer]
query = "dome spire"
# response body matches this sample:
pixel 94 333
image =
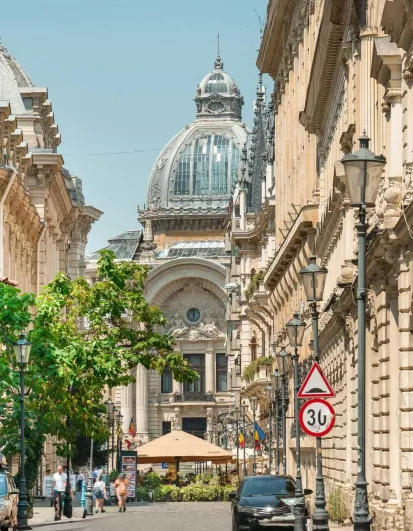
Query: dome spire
pixel 219 65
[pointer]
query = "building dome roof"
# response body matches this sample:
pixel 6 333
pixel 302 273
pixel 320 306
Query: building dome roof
pixel 12 79
pixel 196 170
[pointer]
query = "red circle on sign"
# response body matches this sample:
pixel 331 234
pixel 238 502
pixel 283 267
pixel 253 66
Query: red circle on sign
pixel 303 410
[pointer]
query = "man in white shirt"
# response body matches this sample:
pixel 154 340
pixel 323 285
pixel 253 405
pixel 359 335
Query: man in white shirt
pixel 59 487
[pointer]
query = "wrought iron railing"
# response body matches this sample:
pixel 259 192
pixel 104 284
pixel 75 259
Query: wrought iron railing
pixel 193 397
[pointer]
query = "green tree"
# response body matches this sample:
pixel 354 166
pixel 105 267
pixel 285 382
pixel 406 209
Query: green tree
pixel 84 339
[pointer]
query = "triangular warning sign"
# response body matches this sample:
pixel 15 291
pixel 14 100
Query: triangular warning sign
pixel 315 384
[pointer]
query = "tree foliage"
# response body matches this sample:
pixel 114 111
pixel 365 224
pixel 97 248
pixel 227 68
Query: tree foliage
pixel 84 338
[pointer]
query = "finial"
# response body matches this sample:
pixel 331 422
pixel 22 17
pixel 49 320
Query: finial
pixel 219 65
pixel 260 89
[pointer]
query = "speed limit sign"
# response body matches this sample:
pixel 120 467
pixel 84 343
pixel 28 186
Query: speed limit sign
pixel 317 417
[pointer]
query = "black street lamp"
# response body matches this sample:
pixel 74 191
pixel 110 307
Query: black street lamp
pixel 363 174
pixel 284 367
pixel 270 395
pixel 89 488
pixel 254 404
pixel 109 410
pixel 314 279
pixel 276 385
pixel 68 505
pixel 243 414
pixel 22 353
pixel 119 418
pixel 236 416
pixel 295 330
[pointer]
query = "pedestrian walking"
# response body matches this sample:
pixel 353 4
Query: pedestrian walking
pixel 99 490
pixel 121 488
pixel 58 487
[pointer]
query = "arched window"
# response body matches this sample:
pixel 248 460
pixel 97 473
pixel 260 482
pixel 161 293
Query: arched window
pixel 184 173
pixel 253 347
pixel 216 83
pixel 208 166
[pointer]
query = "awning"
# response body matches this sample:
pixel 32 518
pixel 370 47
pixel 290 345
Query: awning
pixel 183 447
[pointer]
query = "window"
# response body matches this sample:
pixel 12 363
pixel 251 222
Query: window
pixel 216 83
pixel 28 103
pixel 266 486
pixel 183 173
pixel 3 484
pixel 222 372
pixel 166 427
pixel 201 166
pixel 220 154
pixel 253 347
pixel 166 381
pixel 197 362
pixel 208 166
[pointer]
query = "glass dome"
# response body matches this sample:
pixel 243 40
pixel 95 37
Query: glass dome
pixel 216 83
pixel 208 166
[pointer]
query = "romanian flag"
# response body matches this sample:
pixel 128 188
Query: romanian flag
pixel 259 436
pixel 241 440
pixel 132 430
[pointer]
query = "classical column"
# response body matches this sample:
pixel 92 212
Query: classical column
pixel 141 400
pixel 210 369
pixel 367 87
pixel 126 406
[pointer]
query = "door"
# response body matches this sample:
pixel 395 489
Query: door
pixel 195 426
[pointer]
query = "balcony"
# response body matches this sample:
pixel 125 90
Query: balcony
pixel 257 373
pixel 193 397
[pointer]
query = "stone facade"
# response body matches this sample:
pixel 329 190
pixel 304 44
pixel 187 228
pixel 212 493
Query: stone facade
pixel 44 221
pixel 339 68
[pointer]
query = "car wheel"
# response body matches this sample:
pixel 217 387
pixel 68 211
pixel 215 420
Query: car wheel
pixel 4 527
pixel 234 523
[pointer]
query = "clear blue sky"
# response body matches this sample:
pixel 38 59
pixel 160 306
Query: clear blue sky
pixel 122 76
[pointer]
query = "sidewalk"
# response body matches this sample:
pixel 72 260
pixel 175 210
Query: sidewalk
pixel 45 516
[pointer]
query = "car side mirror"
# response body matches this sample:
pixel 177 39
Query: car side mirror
pixel 307 492
pixel 232 495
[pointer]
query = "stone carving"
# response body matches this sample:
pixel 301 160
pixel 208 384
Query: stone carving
pixel 155 197
pixel 325 319
pixel 163 159
pixel 407 183
pixel 177 326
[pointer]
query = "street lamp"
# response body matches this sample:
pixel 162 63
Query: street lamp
pixel 363 174
pixel 89 489
pixel 295 330
pixel 109 410
pixel 284 366
pixel 270 395
pixel 22 353
pixel 119 418
pixel 243 413
pixel 254 405
pixel 236 415
pixel 276 385
pixel 314 279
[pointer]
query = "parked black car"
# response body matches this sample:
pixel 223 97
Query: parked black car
pixel 265 501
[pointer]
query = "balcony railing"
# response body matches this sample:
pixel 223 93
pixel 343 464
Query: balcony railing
pixel 193 397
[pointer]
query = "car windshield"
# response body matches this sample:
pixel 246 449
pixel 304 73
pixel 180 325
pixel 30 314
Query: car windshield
pixel 3 484
pixel 268 486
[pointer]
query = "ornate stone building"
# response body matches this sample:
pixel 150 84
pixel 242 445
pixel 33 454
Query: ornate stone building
pixel 339 68
pixel 44 220
pixel 183 243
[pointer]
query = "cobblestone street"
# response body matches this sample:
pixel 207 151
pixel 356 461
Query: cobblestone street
pixel 153 517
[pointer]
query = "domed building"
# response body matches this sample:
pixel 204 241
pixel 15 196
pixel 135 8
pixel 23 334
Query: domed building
pixel 183 242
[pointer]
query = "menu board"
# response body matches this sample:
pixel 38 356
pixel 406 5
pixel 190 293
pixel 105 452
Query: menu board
pixel 128 466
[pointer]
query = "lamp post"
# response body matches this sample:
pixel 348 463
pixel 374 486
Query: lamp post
pixel 276 385
pixel 295 330
pixel 270 394
pixel 109 410
pixel 89 488
pixel 284 366
pixel 363 171
pixel 243 414
pixel 119 418
pixel 68 506
pixel 22 353
pixel 236 419
pixel 254 405
pixel 314 279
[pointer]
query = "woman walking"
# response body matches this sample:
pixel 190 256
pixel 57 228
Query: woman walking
pixel 121 488
pixel 99 490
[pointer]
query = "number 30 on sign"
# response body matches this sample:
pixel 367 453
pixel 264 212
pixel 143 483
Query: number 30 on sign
pixel 317 417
